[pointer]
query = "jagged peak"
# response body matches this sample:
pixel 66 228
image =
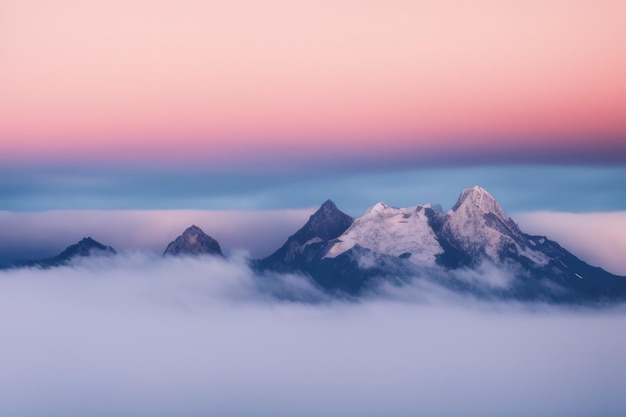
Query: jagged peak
pixel 433 206
pixel 193 229
pixel 377 208
pixel 85 246
pixel 436 207
pixel 472 193
pixel 193 241
pixel 329 204
pixel 383 208
pixel 88 241
pixel 326 209
pixel 480 199
pixel 324 223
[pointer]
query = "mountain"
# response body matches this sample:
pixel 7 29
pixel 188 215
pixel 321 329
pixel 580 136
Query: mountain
pixel 193 241
pixel 327 223
pixel 475 247
pixel 479 229
pixel 346 273
pixel 305 251
pixel 402 232
pixel 86 247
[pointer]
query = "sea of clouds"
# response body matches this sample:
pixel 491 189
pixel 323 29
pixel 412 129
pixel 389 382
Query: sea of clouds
pixel 138 334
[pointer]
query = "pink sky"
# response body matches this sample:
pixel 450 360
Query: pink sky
pixel 187 78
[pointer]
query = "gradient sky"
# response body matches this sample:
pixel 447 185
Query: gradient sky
pixel 129 120
pixel 235 83
pixel 265 105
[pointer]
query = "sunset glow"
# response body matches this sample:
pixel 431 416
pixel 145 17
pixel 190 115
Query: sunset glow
pixel 160 80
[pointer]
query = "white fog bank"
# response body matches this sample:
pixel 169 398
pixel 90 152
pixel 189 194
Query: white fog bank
pixel 138 335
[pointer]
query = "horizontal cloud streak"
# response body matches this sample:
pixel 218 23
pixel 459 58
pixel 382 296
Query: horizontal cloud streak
pixel 352 187
pixel 137 335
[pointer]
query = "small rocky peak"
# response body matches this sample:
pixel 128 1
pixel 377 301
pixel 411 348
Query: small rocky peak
pixel 193 241
pixel 326 223
pixel 326 210
pixel 86 247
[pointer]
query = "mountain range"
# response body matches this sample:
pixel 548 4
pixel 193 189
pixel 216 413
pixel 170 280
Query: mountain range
pixel 473 248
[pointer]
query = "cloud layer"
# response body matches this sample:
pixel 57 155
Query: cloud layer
pixel 140 335
pixel 353 186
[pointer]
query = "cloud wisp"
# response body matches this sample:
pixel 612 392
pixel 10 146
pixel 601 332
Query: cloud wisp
pixel 141 335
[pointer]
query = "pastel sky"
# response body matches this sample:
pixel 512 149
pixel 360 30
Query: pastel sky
pixel 237 83
pixel 245 106
pixel 130 120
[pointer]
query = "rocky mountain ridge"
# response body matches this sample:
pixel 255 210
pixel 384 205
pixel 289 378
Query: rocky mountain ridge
pixel 86 247
pixel 399 244
pixel 193 242
pixel 349 257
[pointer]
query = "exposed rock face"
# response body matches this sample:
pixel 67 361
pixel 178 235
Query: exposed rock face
pixel 325 224
pixel 194 242
pixel 86 247
pixel 399 244
pixel 474 248
pixel 478 226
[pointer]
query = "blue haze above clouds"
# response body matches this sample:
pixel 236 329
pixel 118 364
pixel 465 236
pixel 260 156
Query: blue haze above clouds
pixel 517 188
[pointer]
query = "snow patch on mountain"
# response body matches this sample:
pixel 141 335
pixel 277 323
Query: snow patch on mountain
pixel 393 231
pixel 477 199
pixel 479 226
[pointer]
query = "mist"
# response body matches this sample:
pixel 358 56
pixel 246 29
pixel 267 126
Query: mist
pixel 36 235
pixel 597 238
pixel 137 335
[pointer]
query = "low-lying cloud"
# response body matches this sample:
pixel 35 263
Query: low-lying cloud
pixel 137 334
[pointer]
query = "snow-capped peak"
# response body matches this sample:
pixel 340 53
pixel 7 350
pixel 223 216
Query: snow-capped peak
pixel 478 200
pixel 392 231
pixel 478 225
pixel 379 207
